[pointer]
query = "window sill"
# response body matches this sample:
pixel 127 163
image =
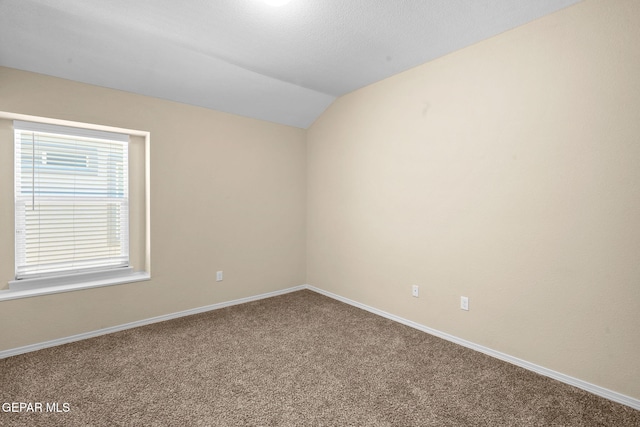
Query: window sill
pixel 58 287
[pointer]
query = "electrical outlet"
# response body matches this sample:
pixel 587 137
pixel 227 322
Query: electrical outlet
pixel 219 276
pixel 464 303
pixel 415 291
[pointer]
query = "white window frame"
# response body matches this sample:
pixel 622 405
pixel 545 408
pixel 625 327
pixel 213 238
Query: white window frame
pixel 73 180
pixel 66 282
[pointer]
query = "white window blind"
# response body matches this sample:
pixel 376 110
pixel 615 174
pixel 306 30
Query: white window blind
pixel 71 200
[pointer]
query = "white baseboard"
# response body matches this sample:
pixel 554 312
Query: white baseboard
pixel 110 330
pixel 591 388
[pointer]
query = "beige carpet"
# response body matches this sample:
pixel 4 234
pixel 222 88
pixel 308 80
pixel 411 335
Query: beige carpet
pixel 299 359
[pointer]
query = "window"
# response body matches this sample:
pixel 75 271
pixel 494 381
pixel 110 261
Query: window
pixel 71 200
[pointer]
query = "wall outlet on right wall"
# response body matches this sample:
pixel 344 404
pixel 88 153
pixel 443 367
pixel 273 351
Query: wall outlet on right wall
pixel 464 303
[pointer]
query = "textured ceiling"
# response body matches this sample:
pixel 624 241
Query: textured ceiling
pixel 284 64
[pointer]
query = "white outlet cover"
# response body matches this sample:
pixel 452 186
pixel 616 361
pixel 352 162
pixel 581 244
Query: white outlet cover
pixel 219 276
pixel 415 290
pixel 464 303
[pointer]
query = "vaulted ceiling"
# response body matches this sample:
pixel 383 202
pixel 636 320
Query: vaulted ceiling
pixel 282 64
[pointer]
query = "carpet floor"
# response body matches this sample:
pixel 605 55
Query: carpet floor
pixel 299 359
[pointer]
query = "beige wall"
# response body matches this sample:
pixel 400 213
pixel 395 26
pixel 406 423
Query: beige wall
pixel 227 193
pixel 508 172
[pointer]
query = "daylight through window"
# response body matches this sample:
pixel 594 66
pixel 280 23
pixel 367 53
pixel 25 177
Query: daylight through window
pixel 71 200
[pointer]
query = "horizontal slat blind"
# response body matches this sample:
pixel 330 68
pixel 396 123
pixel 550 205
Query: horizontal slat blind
pixel 71 200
